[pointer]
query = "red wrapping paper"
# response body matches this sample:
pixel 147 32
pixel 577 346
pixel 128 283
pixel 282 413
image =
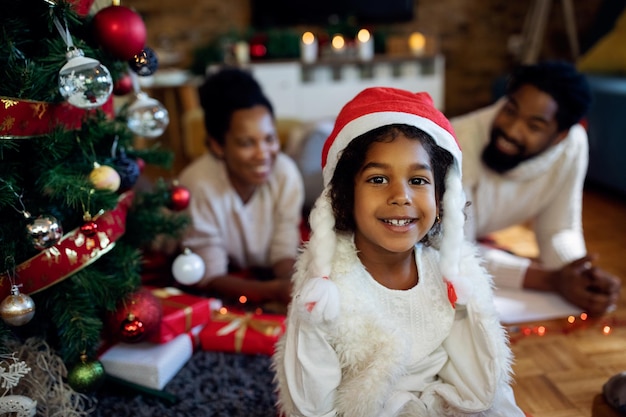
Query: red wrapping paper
pixel 181 313
pixel 242 332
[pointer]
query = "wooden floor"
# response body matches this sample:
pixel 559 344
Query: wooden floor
pixel 561 373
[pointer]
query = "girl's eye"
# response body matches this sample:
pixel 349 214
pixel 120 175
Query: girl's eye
pixel 377 180
pixel 419 181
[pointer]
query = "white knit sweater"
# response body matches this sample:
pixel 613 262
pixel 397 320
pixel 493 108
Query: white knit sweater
pixel 545 191
pixel 224 229
pixel 396 353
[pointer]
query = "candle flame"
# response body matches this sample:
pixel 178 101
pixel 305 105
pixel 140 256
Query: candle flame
pixel 363 35
pixel 338 42
pixel 417 41
pixel 308 38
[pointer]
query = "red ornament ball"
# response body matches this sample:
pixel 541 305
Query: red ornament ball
pixel 132 329
pixel 180 197
pixel 89 228
pixel 123 85
pixel 137 316
pixel 82 7
pixel 141 164
pixel 120 31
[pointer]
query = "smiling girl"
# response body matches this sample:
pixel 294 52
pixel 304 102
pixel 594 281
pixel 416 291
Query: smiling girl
pixel 392 313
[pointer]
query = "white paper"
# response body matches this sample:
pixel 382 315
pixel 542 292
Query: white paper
pixel 521 306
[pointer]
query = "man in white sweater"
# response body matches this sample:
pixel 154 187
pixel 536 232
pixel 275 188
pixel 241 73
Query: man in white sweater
pixel 524 161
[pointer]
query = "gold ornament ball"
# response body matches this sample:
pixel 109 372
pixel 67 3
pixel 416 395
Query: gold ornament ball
pixel 17 309
pixel 103 177
pixel 86 376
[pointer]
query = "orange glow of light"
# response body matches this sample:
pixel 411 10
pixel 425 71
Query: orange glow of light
pixel 583 316
pixel 363 35
pixel 526 331
pixel 338 42
pixel 606 330
pixel 308 38
pixel 259 310
pixel 541 330
pixel 571 319
pixel 417 42
pixel 243 299
pixel 223 310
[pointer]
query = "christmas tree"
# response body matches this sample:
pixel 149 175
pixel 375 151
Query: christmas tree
pixel 72 227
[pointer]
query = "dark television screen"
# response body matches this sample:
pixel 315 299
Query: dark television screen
pixel 277 13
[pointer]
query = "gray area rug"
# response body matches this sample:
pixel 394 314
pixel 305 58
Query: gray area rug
pixel 211 384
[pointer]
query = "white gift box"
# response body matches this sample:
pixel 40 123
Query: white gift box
pixel 148 364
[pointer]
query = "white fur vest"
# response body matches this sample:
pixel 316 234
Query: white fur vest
pixel 373 355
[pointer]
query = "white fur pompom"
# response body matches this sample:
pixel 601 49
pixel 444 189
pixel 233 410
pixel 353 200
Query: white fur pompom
pixel 318 300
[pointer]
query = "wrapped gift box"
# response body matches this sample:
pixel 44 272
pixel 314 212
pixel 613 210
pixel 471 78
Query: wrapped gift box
pixel 242 332
pixel 151 365
pixel 181 312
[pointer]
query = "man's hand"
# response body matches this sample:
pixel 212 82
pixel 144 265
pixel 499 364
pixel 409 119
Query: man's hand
pixel 588 286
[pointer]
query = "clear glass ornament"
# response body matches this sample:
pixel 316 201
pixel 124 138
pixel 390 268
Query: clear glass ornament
pixel 147 117
pixel 84 82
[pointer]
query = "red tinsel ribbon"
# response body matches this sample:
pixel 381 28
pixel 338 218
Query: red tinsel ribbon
pixel 72 253
pixel 22 119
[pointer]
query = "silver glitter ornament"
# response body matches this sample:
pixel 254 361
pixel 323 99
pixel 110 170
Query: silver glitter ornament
pixel 44 231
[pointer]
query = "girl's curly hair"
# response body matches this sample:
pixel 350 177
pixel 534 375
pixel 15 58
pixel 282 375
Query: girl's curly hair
pixel 351 161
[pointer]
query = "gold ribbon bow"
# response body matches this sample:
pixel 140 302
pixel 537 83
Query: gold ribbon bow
pixel 240 324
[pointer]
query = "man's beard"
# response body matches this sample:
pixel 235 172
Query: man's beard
pixel 496 159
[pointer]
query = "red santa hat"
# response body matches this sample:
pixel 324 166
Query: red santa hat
pixel 370 109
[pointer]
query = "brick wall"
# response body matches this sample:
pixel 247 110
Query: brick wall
pixel 472 34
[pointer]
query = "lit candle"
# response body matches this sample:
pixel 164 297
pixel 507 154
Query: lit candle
pixel 338 44
pixel 308 47
pixel 365 45
pixel 242 52
pixel 417 43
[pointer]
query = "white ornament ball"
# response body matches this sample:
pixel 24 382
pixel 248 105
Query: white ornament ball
pixel 188 268
pixel 147 117
pixel 18 406
pixel 84 82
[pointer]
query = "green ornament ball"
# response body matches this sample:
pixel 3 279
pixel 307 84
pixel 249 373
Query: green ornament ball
pixel 86 376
